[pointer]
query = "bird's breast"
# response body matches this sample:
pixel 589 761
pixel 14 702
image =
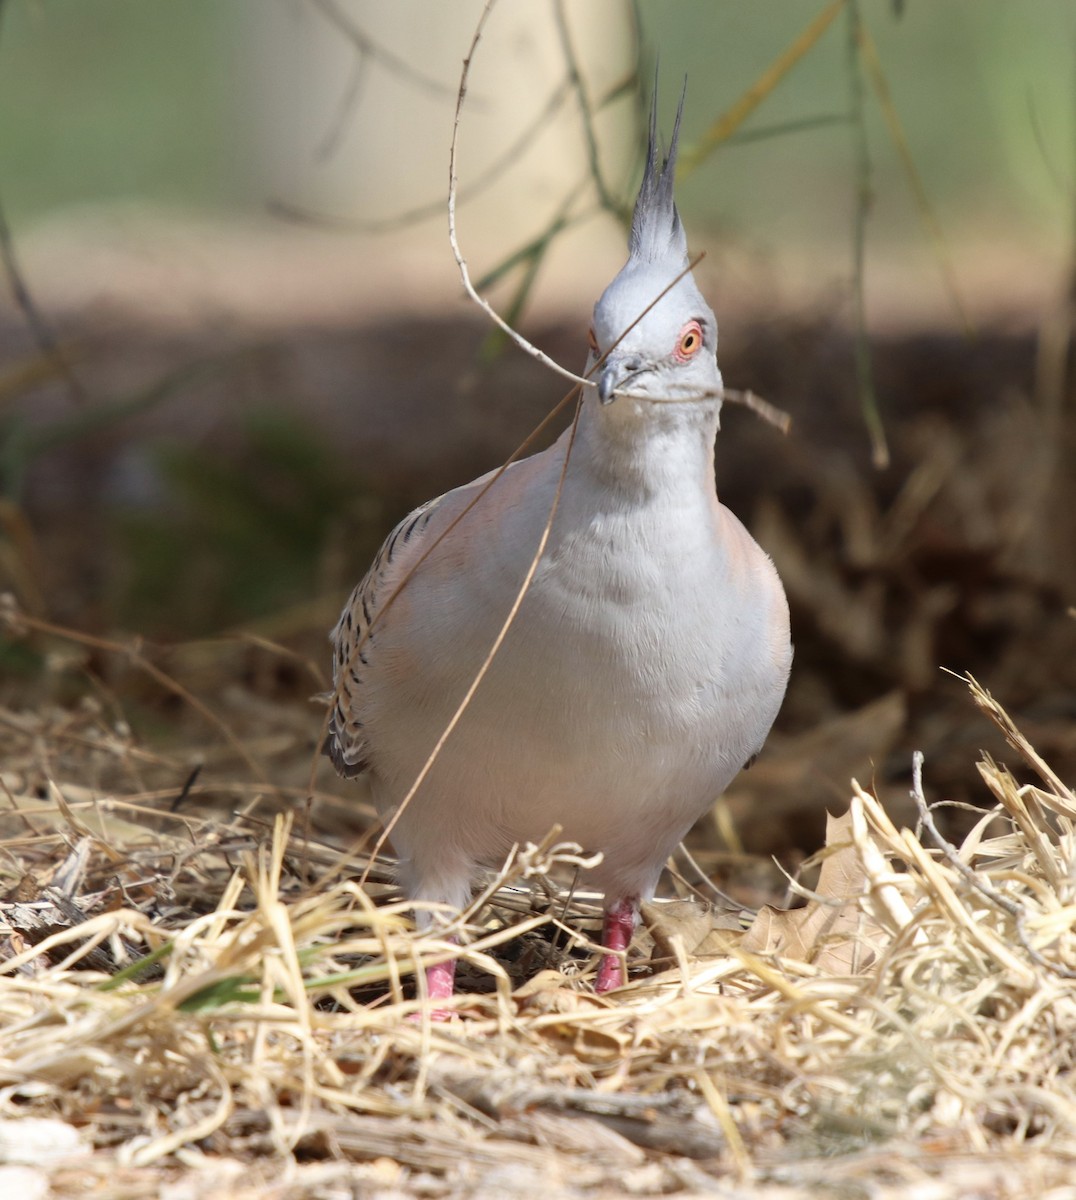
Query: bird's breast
pixel 632 682
pixel 637 630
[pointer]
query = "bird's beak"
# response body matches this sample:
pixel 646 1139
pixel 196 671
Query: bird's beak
pixel 613 374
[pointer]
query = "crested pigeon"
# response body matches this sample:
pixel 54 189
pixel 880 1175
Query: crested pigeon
pixel 648 658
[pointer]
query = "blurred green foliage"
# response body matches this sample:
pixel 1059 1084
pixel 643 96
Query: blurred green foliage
pixel 242 532
pixel 114 99
pixel 18 659
pixel 985 91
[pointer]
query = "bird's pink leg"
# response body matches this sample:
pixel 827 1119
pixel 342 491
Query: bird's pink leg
pixel 617 928
pixel 441 980
pixel 440 985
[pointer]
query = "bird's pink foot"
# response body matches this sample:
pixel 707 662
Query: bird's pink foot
pixel 617 928
pixel 440 985
pixel 441 980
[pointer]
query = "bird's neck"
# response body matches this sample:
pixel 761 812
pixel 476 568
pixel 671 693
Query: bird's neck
pixel 648 448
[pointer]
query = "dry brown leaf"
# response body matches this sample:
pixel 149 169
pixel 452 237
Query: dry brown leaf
pixel 831 932
pixel 550 992
pixel 702 929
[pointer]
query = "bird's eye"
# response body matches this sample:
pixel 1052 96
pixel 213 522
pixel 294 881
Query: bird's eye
pixel 592 341
pixel 690 342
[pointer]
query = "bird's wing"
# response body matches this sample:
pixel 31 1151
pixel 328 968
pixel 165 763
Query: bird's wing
pixel 352 639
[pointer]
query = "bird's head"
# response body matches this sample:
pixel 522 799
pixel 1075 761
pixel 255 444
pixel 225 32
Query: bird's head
pixel 668 352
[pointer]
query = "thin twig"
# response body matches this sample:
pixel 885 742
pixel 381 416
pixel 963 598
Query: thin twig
pixel 38 326
pixel 425 212
pixel 575 77
pixel 864 197
pixel 531 257
pixel 975 879
pixel 366 45
pixel 763 133
pixel 931 225
pixel 345 108
pixel 1063 187
pixel 134 654
pixel 453 238
pixel 731 902
pixel 769 413
pixel 728 122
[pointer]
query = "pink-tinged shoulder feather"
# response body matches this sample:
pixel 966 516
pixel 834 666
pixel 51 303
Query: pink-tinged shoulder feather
pixel 754 568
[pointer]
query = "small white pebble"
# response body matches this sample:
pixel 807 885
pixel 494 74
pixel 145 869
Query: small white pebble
pixel 23 1182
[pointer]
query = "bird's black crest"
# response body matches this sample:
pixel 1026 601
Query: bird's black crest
pixel 656 232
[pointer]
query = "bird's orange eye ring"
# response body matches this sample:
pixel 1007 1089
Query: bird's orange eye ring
pixel 690 342
pixel 592 341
